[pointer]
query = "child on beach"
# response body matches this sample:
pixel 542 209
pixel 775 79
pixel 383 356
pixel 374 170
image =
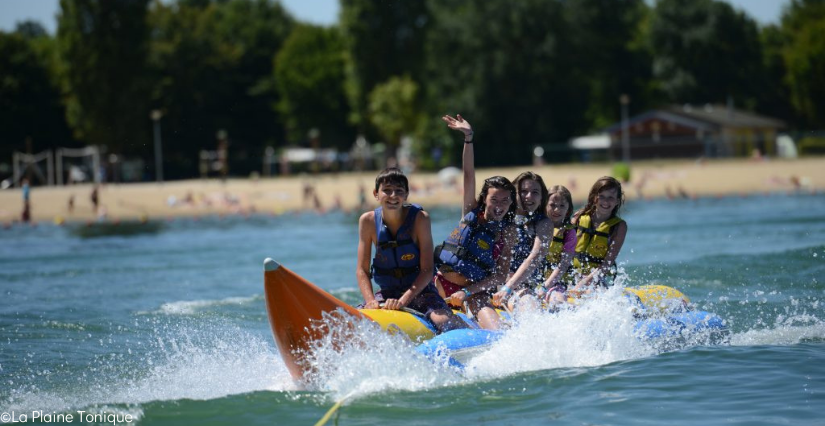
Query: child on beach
pixel 474 259
pixel 533 229
pixel 403 262
pixel 562 247
pixel 600 234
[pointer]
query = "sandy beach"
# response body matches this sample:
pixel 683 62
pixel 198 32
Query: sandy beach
pixel 277 195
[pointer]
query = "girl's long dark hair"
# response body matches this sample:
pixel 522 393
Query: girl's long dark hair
pixel 499 182
pixel 604 183
pixel 544 194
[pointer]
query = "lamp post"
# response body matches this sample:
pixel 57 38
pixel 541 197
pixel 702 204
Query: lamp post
pixel 156 115
pixel 625 100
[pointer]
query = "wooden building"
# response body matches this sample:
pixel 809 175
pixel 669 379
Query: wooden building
pixel 696 131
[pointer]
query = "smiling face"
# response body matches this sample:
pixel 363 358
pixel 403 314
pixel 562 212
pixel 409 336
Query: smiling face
pixel 558 209
pixel 606 201
pixel 391 196
pixel 497 203
pixel 529 193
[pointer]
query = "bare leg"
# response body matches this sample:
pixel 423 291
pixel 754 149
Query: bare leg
pixel 489 319
pixel 445 321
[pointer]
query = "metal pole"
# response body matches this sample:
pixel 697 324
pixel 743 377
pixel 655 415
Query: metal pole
pixel 156 114
pixel 625 100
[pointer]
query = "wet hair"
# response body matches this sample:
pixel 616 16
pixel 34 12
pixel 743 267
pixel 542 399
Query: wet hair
pixel 604 183
pixel 532 176
pixel 564 192
pixel 499 182
pixel 392 176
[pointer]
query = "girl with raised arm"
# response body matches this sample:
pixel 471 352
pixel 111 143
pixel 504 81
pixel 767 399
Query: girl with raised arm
pixel 475 258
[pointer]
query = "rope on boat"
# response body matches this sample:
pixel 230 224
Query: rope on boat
pixel 332 410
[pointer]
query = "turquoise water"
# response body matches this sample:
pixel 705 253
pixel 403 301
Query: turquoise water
pixel 171 328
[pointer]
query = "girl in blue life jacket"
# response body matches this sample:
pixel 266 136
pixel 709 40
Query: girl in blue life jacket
pixel 562 248
pixel 600 234
pixel 475 258
pixel 534 231
pixel 403 262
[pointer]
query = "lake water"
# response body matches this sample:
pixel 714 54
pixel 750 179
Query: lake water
pixel 171 328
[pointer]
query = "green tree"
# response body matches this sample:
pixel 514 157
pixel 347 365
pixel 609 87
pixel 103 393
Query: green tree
pixel 103 48
pixel 213 64
pixel 383 39
pixel 512 69
pixel 617 60
pixel 705 51
pixel 394 109
pixel 31 111
pixel 309 72
pixel 803 26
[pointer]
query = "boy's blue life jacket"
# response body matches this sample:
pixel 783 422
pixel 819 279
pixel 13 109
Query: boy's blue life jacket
pixel 469 248
pixel 396 263
pixel 526 232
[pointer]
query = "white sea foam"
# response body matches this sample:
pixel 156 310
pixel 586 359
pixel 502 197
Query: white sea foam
pixel 184 363
pixel 598 332
pixel 189 307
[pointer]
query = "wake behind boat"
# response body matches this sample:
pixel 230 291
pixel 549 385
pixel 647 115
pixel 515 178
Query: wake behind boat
pixel 295 308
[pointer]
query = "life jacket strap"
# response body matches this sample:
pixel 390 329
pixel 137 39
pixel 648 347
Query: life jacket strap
pixel 592 231
pixel 461 253
pixel 396 272
pixel 394 244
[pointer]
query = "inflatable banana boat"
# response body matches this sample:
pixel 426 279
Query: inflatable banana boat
pixel 295 306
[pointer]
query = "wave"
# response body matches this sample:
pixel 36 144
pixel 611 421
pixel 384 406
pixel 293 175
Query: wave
pixel 190 307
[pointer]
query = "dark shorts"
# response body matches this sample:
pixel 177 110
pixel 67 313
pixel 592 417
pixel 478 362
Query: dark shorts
pixel 426 302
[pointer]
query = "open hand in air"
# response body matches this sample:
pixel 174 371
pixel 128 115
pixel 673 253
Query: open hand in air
pixel 458 123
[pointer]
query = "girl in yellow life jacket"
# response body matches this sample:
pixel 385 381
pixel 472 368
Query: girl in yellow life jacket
pixel 600 233
pixel 562 246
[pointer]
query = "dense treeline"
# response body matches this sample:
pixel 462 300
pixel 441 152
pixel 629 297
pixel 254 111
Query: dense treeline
pixel 532 72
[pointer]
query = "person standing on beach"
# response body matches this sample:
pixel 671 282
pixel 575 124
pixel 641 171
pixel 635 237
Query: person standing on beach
pixel 26 215
pixel 600 234
pixel 94 197
pixel 403 263
pixel 475 258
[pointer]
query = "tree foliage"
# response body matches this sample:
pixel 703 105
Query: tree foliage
pixel 803 26
pixel 103 48
pixel 31 111
pixel 309 73
pixel 525 73
pixel 383 39
pixel 394 109
pixel 212 64
pixel 705 52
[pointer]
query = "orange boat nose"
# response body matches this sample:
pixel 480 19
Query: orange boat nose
pixel 293 304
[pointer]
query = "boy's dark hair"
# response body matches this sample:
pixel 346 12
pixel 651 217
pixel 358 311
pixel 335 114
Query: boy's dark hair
pixel 392 176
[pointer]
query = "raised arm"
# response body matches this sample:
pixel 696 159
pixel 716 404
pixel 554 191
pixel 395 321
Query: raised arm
pixel 467 160
pixel 366 236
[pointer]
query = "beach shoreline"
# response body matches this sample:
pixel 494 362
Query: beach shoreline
pixel 344 191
